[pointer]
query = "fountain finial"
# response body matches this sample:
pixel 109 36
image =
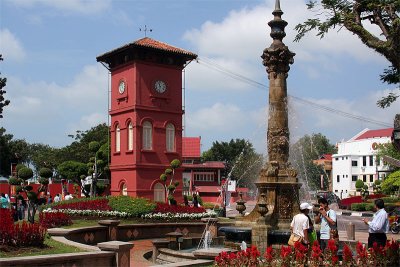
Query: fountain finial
pixel 278 5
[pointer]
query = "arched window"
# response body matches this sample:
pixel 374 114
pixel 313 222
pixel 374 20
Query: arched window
pixel 170 137
pixel 117 139
pixel 123 190
pixel 159 193
pixel 147 135
pixel 130 136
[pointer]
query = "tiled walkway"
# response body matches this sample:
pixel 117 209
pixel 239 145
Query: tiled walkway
pixel 140 247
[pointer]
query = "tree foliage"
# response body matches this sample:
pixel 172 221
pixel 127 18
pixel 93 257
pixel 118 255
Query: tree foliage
pixel 391 185
pixel 242 163
pixel 302 154
pixel 72 170
pixel 3 102
pixel 355 15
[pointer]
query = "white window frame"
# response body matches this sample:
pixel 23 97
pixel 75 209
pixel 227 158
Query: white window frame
pixel 147 136
pixel 117 138
pixel 130 136
pixel 170 137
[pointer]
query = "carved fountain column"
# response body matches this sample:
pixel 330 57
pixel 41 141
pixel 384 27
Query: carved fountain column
pixel 277 180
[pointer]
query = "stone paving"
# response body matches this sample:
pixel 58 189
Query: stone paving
pixel 141 247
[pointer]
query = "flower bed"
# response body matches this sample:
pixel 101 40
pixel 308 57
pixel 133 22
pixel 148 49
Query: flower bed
pixel 94 213
pixel 54 219
pixel 83 204
pixel 297 256
pixel 346 202
pixel 20 234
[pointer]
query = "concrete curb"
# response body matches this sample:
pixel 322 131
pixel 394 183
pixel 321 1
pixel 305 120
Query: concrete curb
pixel 354 213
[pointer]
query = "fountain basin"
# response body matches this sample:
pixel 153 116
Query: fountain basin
pixel 236 234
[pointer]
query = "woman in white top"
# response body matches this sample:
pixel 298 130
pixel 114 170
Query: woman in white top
pixel 300 223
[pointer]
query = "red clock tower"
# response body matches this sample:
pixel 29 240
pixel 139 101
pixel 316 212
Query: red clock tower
pixel 146 115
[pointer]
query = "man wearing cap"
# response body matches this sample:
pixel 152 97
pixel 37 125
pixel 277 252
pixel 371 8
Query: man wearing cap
pixel 327 218
pixel 300 223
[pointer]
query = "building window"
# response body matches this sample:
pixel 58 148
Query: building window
pixel 123 190
pixel 371 178
pixel 117 139
pixel 336 158
pixel 204 177
pixel 170 137
pixel 354 163
pixel 147 135
pixel 354 178
pixel 130 136
pixel 159 193
pixel 371 160
pixel 364 178
pixel 338 178
pixel 364 160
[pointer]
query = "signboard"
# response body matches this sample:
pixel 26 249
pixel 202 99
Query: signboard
pixel 231 186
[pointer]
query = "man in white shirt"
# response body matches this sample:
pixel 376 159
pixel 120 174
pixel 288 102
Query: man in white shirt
pixel 57 198
pixel 379 226
pixel 68 196
pixel 300 223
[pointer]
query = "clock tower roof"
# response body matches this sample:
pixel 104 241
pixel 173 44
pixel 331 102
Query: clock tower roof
pixel 143 46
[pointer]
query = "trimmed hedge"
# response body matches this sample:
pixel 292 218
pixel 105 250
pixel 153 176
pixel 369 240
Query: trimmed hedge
pixel 135 207
pixel 362 206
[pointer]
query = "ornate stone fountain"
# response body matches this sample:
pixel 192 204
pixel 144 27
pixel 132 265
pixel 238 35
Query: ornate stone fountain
pixel 277 184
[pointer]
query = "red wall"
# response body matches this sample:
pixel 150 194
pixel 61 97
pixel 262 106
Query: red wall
pixel 53 189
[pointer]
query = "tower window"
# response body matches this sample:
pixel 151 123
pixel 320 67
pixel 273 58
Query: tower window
pixel 170 137
pixel 130 136
pixel 147 135
pixel 117 139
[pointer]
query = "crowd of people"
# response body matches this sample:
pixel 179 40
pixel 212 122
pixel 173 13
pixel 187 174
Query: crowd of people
pixel 302 227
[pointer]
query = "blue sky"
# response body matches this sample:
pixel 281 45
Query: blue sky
pixel 56 86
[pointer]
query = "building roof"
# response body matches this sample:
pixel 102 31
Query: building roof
pixel 375 134
pixel 147 42
pixel 326 156
pixel 205 165
pixel 191 147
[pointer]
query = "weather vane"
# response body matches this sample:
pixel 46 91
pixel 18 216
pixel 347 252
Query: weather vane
pixel 145 30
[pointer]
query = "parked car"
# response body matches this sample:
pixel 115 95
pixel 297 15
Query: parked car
pixel 328 195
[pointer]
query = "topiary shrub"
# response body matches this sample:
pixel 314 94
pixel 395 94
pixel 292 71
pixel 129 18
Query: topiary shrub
pixel 25 173
pixel 14 181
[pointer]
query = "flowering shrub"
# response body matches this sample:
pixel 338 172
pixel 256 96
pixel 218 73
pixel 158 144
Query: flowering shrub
pixel 166 208
pixel 83 204
pixel 178 216
pixel 54 219
pixel 98 213
pixel 21 234
pixel 300 256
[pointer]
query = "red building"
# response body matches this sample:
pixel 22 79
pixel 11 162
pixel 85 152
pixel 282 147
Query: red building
pixel 201 178
pixel 146 115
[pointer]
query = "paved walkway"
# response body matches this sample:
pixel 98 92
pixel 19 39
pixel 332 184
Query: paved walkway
pixel 141 247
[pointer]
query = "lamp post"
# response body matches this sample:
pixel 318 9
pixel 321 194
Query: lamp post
pixel 396 132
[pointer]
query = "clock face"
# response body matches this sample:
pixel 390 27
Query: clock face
pixel 160 86
pixel 121 87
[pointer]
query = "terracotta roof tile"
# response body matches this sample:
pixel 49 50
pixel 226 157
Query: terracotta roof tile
pixel 376 133
pixel 191 147
pixel 149 43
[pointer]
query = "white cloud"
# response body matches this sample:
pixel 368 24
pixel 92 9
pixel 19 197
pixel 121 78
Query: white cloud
pixel 38 107
pixel 79 6
pixel 10 46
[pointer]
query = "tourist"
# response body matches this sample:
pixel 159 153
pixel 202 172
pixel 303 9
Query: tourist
pixel 3 201
pixel 49 200
pixel 379 226
pixel 21 208
pixel 195 201
pixel 68 196
pixel 57 198
pixel 327 218
pixel 301 223
pixel 185 200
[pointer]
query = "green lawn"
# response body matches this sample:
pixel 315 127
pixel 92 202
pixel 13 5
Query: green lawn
pixel 51 247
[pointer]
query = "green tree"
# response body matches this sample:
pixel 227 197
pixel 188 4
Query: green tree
pixel 3 102
pixel 391 185
pixel 387 149
pixel 359 185
pixel 354 16
pixel 242 163
pixel 73 171
pixel 302 154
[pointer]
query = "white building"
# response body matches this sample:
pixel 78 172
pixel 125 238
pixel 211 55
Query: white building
pixel 356 160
